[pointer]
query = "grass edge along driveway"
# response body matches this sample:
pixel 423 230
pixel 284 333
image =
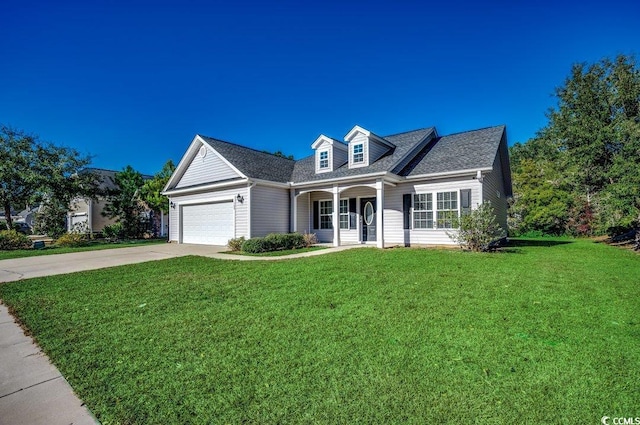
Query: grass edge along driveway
pixel 545 332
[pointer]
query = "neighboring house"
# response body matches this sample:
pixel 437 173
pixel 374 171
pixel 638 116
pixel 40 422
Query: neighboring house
pixel 402 189
pixel 85 214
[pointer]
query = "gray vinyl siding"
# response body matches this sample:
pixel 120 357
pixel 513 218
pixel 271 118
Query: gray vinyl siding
pixel 376 150
pixel 303 214
pixel 340 156
pixel 269 210
pixel 209 169
pixel 240 209
pixel 394 232
pixel 492 186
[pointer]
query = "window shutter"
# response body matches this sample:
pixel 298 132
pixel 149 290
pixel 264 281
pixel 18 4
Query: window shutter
pixel 406 210
pixel 352 214
pixel 316 214
pixel 465 201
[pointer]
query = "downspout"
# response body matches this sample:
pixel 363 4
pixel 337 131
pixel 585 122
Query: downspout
pixel 249 206
pixel 480 180
pixel 90 219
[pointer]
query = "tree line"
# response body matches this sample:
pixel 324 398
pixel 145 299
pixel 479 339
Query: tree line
pixel 36 172
pixel 580 174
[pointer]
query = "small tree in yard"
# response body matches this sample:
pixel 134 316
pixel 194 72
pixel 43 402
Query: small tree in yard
pixel 124 203
pixel 478 229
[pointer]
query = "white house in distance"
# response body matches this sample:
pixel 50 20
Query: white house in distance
pixel 402 189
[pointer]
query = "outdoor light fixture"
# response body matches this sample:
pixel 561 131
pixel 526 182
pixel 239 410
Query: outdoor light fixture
pixel 240 198
pixel 172 204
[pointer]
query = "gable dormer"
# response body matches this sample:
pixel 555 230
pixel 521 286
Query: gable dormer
pixel 330 153
pixel 364 147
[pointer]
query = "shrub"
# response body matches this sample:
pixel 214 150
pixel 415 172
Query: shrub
pixel 310 239
pixel 273 242
pixel 284 241
pixel 11 239
pixel 235 244
pixel 479 230
pixel 72 240
pixel 254 246
pixel 113 232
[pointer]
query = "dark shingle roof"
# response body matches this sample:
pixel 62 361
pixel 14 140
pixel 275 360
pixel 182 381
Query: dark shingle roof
pixel 107 178
pixel 416 152
pixel 462 151
pixel 305 169
pixel 253 163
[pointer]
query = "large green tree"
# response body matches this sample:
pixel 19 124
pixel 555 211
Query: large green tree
pixel 581 169
pixel 34 171
pixel 124 203
pixel 151 191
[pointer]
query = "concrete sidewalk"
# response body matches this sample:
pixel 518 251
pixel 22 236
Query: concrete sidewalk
pixel 32 390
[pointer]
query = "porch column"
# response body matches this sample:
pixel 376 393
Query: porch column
pixel 335 216
pixel 294 210
pixel 380 213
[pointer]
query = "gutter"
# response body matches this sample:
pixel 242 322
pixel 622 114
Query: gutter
pixel 473 171
pixel 203 188
pixel 384 174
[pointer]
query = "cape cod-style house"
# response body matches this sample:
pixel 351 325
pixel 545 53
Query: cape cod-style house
pixel 401 189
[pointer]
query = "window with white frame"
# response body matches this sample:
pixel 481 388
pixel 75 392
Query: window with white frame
pixel 423 211
pixel 446 209
pixel 326 214
pixel 344 213
pixel 323 161
pixel 358 153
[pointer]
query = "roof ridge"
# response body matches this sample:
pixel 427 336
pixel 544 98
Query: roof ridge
pixel 408 131
pixel 245 147
pixel 471 131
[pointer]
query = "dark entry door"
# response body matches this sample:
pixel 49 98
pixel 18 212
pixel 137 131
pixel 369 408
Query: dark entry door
pixel 368 214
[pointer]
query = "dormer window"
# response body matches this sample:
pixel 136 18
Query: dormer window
pixel 330 154
pixel 324 160
pixel 358 153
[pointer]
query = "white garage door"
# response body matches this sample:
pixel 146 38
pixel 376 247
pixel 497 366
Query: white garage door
pixel 207 224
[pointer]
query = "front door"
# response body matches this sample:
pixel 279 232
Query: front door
pixel 368 217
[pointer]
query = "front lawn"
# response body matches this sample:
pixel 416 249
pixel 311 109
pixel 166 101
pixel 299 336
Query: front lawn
pixel 91 246
pixel 547 332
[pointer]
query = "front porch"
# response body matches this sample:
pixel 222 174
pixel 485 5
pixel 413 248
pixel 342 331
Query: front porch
pixel 341 214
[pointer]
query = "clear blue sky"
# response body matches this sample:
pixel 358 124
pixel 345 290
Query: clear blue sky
pixel 132 82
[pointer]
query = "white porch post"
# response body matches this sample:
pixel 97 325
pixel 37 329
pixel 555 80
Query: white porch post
pixel 294 210
pixel 380 213
pixel 335 216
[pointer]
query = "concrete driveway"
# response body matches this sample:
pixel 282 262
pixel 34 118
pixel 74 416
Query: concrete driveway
pixel 47 265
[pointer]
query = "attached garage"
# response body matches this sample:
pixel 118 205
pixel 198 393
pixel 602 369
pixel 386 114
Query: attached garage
pixel 207 224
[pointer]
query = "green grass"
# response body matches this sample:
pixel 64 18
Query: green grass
pixel 92 246
pixel 276 253
pixel 547 332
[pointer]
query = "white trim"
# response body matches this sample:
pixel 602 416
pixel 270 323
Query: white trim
pixel 196 189
pixel 322 138
pixel 320 213
pixel 357 129
pixel 189 155
pixel 460 173
pixel 250 186
pixel 384 174
pixel 319 159
pixel 434 209
pixel 278 185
